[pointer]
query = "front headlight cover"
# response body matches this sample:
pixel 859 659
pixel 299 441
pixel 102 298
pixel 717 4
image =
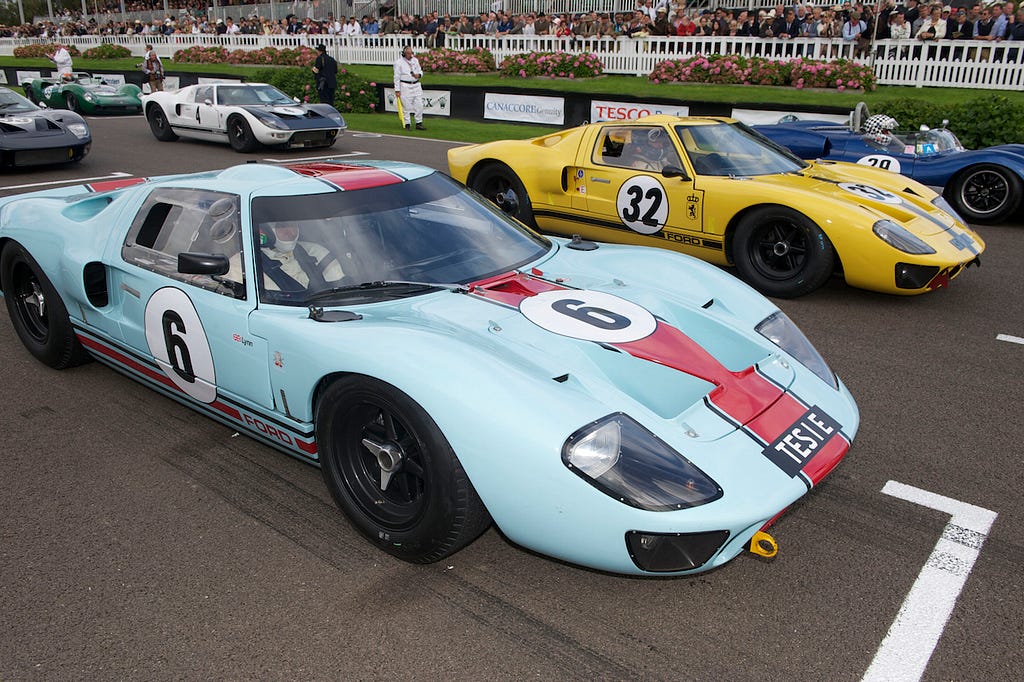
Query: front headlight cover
pixel 624 460
pixel 900 238
pixel 269 120
pixel 89 97
pixel 781 331
pixel 80 130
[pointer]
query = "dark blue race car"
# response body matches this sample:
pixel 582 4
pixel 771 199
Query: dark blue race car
pixel 983 185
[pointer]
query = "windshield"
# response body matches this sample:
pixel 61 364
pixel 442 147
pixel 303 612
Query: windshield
pixel 428 230
pixel 734 149
pixel 925 142
pixel 251 94
pixel 11 102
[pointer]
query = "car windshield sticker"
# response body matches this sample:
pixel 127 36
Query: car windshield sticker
pixel 882 161
pixel 870 193
pixel 795 446
pixel 178 343
pixel 641 204
pixel 589 315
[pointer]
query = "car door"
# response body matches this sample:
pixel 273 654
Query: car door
pixel 630 196
pixel 193 329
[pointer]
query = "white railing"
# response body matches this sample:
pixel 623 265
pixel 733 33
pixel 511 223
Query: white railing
pixel 967 64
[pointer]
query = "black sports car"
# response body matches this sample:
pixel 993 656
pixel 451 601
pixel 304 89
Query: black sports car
pixel 33 136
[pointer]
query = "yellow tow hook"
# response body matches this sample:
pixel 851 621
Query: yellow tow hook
pixel 763 545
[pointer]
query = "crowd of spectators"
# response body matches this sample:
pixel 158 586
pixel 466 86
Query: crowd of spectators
pixel 849 21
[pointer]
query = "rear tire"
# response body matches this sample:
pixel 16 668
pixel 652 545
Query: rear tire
pixel 781 252
pixel 37 312
pixel 393 473
pixel 496 179
pixel 159 125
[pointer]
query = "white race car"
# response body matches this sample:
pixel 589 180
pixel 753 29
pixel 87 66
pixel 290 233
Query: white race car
pixel 246 115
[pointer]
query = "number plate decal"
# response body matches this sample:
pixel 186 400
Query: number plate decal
pixel 589 315
pixel 798 444
pixel 642 204
pixel 179 345
pixel 871 193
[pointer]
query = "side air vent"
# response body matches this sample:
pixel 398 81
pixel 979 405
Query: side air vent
pixel 95 279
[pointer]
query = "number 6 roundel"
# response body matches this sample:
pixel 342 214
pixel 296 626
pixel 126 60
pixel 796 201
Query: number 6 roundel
pixel 178 343
pixel 589 315
pixel 642 205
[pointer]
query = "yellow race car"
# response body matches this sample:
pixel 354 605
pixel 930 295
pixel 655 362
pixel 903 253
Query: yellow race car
pixel 715 189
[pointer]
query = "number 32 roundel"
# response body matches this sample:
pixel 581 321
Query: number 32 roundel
pixel 178 343
pixel 641 204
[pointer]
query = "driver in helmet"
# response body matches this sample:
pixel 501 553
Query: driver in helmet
pixel 651 150
pixel 878 130
pixel 292 265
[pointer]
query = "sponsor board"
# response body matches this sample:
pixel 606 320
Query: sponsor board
pixel 754 117
pixel 26 76
pixel 435 102
pixel 529 109
pixel 607 110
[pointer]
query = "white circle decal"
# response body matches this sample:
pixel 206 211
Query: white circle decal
pixel 642 204
pixel 889 163
pixel 178 343
pixel 870 193
pixel 589 315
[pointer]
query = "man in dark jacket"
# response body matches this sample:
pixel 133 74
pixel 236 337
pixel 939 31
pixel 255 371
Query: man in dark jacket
pixel 325 70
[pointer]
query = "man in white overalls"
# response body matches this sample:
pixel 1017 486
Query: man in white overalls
pixel 407 87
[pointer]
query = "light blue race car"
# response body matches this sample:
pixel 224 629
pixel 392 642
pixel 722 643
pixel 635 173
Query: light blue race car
pixel 623 408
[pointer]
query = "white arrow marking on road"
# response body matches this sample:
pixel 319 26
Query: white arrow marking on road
pixel 907 648
pixel 72 181
pixel 1011 339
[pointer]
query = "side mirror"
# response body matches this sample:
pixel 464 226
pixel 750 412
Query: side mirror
pixel 674 172
pixel 203 264
pixel 295 99
pixel 208 102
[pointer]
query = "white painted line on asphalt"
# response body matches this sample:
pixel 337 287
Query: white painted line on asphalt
pixel 908 646
pixel 1011 339
pixel 318 158
pixel 71 181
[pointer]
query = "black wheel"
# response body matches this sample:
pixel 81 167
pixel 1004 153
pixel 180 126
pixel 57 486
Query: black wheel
pixel 781 252
pixel 985 193
pixel 37 311
pixel 240 135
pixel 500 184
pixel 71 102
pixel 30 93
pixel 159 125
pixel 393 473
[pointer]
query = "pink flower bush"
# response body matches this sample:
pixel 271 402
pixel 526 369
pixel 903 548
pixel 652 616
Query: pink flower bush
pixel 798 73
pixel 476 60
pixel 551 65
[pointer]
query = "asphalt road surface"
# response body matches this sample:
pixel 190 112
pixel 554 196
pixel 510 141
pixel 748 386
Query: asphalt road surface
pixel 140 540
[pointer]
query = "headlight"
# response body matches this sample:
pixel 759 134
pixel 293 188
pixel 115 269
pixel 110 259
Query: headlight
pixel 88 97
pixel 270 121
pixel 940 203
pixel 624 460
pixel 781 331
pixel 900 238
pixel 80 130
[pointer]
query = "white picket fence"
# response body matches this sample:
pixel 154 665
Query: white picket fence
pixel 966 64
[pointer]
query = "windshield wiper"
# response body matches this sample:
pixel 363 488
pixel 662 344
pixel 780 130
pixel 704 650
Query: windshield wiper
pixel 384 284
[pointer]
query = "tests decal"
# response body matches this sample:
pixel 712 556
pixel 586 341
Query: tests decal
pixel 882 161
pixel 179 345
pixel 589 315
pixel 870 193
pixel 642 205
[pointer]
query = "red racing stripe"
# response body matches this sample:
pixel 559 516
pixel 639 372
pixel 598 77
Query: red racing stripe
pixel 346 177
pixel 111 185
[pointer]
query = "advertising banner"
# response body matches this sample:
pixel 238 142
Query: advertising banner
pixel 526 109
pixel 753 117
pixel 435 102
pixel 605 110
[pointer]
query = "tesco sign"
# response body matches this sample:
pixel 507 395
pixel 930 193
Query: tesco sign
pixel 603 110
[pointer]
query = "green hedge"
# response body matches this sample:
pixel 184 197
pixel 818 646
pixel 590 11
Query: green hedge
pixel 979 122
pixel 354 94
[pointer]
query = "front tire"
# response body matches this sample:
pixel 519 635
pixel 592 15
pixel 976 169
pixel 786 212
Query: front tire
pixel 986 193
pixel 71 103
pixel 495 180
pixel 781 252
pixel 393 473
pixel 30 93
pixel 37 312
pixel 240 135
pixel 159 125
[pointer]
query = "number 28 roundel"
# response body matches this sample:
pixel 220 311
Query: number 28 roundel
pixel 178 343
pixel 642 205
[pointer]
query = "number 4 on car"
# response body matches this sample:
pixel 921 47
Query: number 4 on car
pixel 631 410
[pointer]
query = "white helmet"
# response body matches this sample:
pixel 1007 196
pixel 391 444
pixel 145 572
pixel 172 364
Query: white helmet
pixel 878 128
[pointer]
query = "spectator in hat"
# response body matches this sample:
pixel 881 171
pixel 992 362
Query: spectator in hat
pixel 325 73
pixel 153 68
pixel 960 28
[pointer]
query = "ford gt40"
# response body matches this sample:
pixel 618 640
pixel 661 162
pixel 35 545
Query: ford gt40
pixel 31 136
pixel 628 409
pixel 245 115
pixel 983 185
pixel 715 189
